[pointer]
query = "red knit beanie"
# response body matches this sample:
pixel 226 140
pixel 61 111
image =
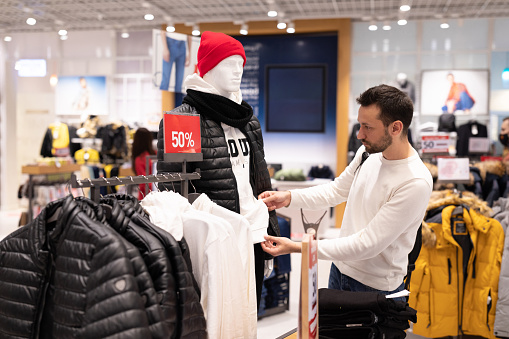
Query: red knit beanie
pixel 214 48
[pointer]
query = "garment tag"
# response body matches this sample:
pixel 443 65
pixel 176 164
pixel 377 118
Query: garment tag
pixel 460 228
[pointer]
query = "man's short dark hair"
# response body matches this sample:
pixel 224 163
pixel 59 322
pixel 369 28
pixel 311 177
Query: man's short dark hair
pixel 394 105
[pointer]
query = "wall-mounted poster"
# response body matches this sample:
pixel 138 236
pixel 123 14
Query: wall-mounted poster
pixel 174 58
pixel 81 95
pixel 461 92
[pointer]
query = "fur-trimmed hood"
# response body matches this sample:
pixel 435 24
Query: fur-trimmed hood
pixel 449 197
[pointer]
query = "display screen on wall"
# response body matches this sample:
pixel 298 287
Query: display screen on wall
pixel 459 92
pixel 295 98
pixel 84 96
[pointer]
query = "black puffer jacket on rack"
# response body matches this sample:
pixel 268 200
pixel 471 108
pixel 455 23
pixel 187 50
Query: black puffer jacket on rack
pixel 145 285
pixel 155 258
pixel 64 275
pixel 131 204
pixel 191 318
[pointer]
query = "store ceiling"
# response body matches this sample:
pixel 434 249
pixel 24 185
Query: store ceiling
pixel 129 14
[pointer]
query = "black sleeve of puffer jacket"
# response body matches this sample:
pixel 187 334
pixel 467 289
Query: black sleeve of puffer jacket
pixel 192 323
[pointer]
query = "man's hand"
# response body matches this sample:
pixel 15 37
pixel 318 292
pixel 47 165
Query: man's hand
pixel 280 245
pixel 276 199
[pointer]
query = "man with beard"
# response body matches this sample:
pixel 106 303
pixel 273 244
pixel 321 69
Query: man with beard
pixel 387 188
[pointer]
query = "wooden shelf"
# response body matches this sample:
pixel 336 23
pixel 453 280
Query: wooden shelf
pixel 44 169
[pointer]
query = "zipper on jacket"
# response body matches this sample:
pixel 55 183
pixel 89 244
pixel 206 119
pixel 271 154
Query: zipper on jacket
pixel 473 266
pixel 449 267
pixel 460 305
pixel 42 305
pixel 488 313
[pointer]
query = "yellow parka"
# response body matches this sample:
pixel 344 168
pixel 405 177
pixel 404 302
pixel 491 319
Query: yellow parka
pixel 447 302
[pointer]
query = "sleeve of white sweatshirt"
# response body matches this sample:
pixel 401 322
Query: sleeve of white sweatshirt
pixel 330 194
pixel 404 209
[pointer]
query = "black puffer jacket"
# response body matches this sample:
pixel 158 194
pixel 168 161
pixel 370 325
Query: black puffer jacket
pixel 217 178
pixel 145 284
pixel 154 255
pixel 191 319
pixel 64 275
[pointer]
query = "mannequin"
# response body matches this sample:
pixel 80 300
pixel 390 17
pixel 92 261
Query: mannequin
pixel 404 85
pixel 233 170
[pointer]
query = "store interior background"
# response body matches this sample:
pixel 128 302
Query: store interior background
pixel 365 58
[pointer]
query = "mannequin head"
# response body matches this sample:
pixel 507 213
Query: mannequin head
pixel 214 48
pixel 226 75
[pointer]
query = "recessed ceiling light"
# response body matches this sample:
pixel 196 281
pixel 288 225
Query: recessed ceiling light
pixel 272 13
pixel 170 28
pixel 149 17
pixel 243 29
pixel 31 21
pixel 7 38
pixel 291 28
pixel 444 25
pixel 373 27
pixel 402 22
pixel 196 30
pixel 124 35
pixel 386 27
pixel 404 8
pixel 62 32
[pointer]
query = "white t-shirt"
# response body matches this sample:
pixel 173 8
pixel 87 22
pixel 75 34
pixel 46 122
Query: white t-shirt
pixel 386 202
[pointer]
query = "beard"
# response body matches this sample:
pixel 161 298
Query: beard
pixel 380 146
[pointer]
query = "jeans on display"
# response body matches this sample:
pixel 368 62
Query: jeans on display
pixel 178 57
pixel 464 103
pixel 342 282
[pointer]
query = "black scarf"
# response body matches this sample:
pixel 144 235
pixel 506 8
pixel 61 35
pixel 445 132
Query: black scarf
pixel 219 108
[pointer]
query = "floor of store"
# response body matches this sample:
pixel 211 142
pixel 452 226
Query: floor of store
pixel 273 326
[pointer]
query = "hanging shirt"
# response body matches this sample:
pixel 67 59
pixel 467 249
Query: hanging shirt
pixel 216 261
pixel 244 242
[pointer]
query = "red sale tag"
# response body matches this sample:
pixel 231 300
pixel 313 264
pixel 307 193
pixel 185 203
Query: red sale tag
pixel 182 133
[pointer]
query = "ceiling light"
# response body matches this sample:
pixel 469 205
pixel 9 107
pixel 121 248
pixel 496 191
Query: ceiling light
pixel 196 30
pixel 7 38
pixel 62 32
pixel 444 25
pixel 373 27
pixel 243 29
pixel 281 24
pixel 404 8
pixel 402 22
pixel 64 37
pixel 291 28
pixel 31 21
pixel 149 17
pixel 170 28
pixel 125 34
pixel 272 10
pixel 386 26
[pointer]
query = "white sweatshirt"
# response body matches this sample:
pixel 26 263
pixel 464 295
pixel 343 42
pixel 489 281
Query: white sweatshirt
pixel 386 202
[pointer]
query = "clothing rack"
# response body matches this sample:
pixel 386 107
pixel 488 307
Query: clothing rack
pixel 183 177
pixel 96 184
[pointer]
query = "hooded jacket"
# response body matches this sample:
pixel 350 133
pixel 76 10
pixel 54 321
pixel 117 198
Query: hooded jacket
pixel 64 275
pixel 455 283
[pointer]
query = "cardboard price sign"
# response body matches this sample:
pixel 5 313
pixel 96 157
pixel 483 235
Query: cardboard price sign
pixel 182 133
pixel 435 144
